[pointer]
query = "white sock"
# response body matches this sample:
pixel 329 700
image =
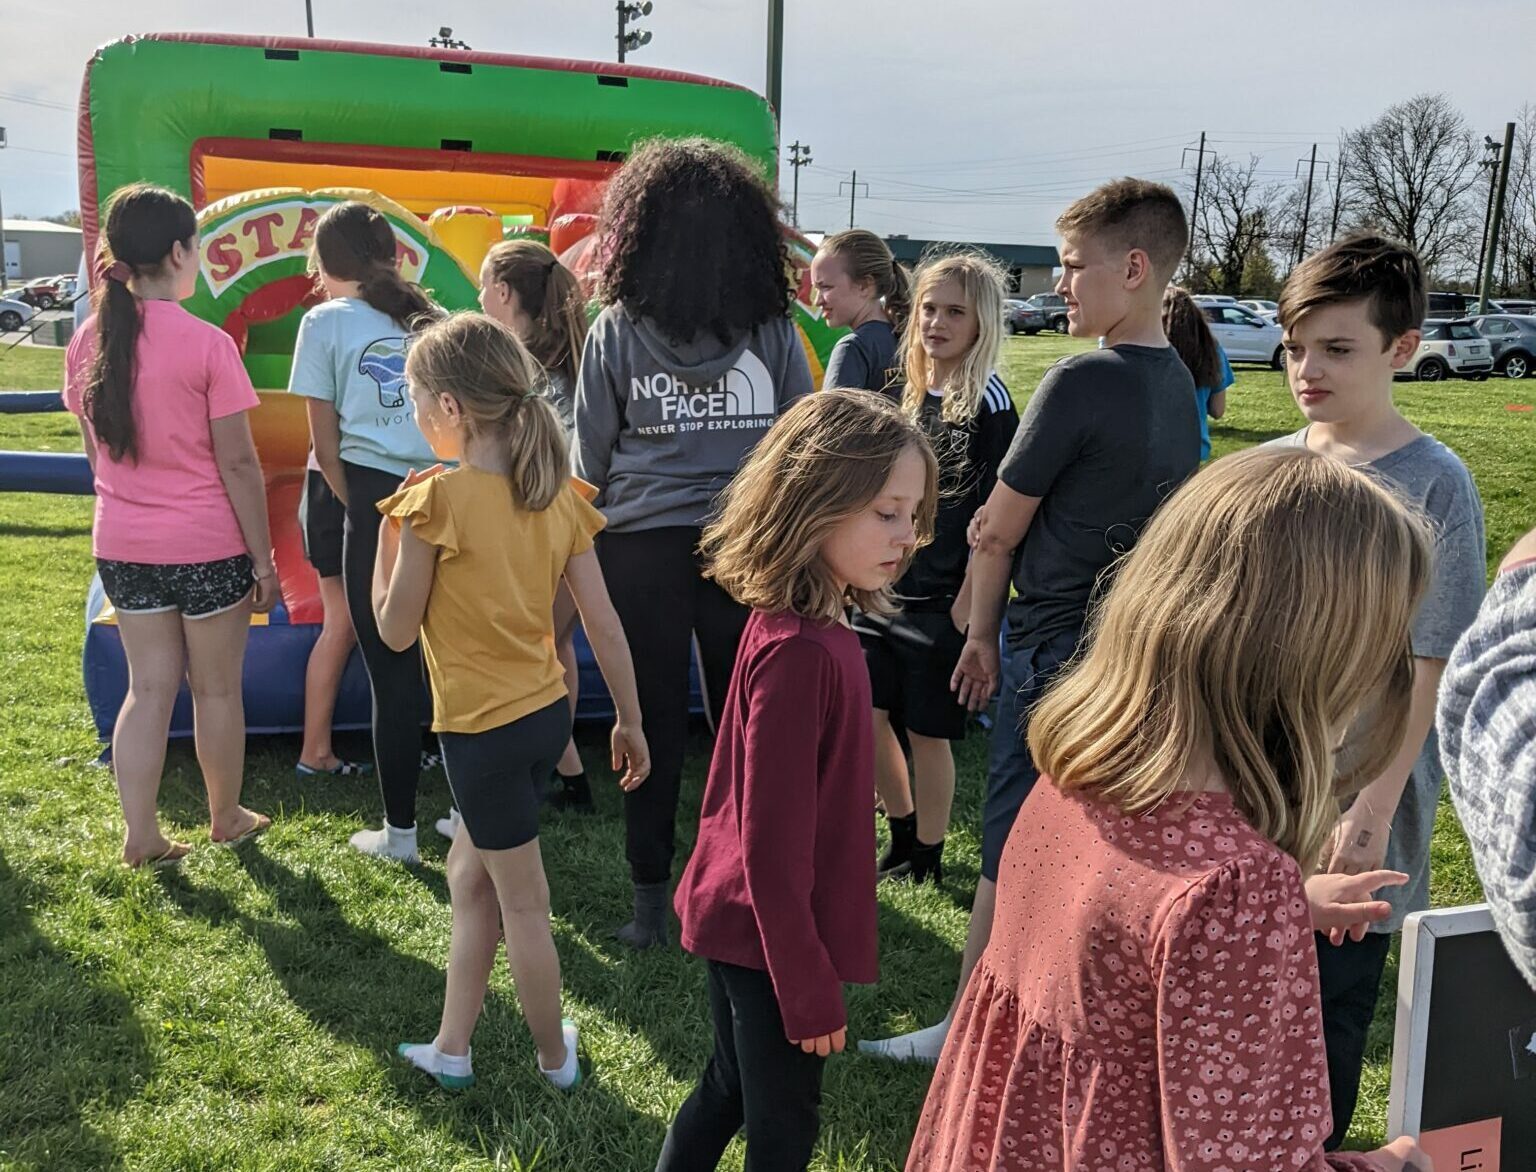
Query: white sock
pixel 924 1045
pixel 390 842
pixel 569 1074
pixel 449 827
pixel 426 1056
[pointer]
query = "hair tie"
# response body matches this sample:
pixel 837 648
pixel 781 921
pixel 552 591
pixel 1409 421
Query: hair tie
pixel 116 271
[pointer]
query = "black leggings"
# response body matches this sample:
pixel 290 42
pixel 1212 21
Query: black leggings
pixel 496 776
pixel 1349 977
pixel 662 601
pixel 757 1078
pixel 400 704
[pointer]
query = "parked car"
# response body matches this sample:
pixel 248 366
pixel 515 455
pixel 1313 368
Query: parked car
pixel 1053 306
pixel 1261 307
pixel 43 293
pixel 1521 305
pixel 1243 334
pixel 1513 339
pixel 1214 299
pixel 14 313
pixel 1020 317
pixel 1450 348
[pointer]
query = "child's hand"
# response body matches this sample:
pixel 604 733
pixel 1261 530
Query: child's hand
pixel 973 530
pixel 417 475
pixel 1403 1155
pixel 1341 905
pixel 826 1044
pixel 265 593
pixel 975 678
pixel 632 754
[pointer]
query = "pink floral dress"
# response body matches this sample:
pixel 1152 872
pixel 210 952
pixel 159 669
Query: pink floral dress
pixel 1148 1001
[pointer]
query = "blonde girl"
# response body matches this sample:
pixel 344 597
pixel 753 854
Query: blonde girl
pixel 470 561
pixel 953 393
pixel 860 287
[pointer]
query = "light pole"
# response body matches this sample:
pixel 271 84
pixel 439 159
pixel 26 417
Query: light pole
pixel 309 16
pixel 629 40
pixel 1491 152
pixel 776 56
pixel 3 279
pixel 799 156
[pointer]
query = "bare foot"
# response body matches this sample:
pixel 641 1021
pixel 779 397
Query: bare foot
pixel 167 855
pixel 247 824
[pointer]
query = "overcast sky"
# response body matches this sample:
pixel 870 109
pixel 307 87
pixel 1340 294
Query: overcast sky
pixel 968 119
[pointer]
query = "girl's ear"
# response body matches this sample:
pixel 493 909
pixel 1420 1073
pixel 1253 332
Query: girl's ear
pixel 449 406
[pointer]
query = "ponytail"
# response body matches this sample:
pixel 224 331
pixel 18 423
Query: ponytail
pixel 144 223
pixel 550 295
pixel 354 242
pixel 481 365
pixel 898 296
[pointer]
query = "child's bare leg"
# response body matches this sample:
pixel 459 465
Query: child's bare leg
pixel 933 765
pixel 322 677
pixel 156 666
pixel 472 948
pixel 523 894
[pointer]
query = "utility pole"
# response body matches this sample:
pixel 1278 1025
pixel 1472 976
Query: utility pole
pixel 1194 204
pixel 853 186
pixel 309 16
pixel 775 56
pixel 3 281
pixel 1491 151
pixel 1498 215
pixel 1306 207
pixel 1338 196
pixel 799 156
pixel 630 41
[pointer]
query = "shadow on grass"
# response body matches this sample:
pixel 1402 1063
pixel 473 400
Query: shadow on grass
pixel 67 1041
pixel 12 529
pixel 355 984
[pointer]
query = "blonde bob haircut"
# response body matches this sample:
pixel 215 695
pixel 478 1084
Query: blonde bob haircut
pixel 480 364
pixel 1266 607
pixel 824 461
pixel 981 284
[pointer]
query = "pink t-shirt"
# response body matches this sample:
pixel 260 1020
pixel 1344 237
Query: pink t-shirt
pixel 169 507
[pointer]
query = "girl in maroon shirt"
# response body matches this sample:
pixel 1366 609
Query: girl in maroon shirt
pixel 1149 998
pixel 779 896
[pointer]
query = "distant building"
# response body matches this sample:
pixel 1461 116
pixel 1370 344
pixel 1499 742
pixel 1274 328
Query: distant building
pixel 37 248
pixel 1031 267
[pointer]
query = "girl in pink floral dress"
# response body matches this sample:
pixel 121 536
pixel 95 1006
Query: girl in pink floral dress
pixel 1149 999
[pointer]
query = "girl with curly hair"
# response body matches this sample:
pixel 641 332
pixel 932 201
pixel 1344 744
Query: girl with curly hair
pixel 691 360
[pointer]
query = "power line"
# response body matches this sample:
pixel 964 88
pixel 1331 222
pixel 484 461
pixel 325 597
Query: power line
pixel 41 103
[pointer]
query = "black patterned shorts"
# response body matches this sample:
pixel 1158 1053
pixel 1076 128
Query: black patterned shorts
pixel 198 590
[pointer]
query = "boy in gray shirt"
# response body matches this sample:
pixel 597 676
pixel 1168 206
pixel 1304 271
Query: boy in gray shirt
pixel 1351 315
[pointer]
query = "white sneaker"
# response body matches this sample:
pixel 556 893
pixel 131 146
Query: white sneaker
pixel 449 827
pixel 924 1045
pixel 388 842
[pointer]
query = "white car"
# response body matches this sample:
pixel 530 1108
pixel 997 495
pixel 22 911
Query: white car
pixel 13 313
pixel 1450 347
pixel 1243 334
pixel 1261 307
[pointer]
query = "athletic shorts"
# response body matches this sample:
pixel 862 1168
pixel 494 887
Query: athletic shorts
pixel 197 589
pixel 497 777
pixel 911 658
pixel 321 516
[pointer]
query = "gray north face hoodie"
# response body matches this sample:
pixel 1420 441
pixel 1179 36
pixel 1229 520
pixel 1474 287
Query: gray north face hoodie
pixel 662 426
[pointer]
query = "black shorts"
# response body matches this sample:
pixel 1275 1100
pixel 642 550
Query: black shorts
pixel 911 658
pixel 321 516
pixel 497 776
pixel 198 590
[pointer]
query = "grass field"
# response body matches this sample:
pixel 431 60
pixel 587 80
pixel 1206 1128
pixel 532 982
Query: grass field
pixel 240 1014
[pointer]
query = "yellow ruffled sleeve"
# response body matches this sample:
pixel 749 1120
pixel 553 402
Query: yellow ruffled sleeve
pixel 586 521
pixel 428 506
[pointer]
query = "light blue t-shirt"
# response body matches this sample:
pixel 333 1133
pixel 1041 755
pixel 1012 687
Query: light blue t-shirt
pixel 353 356
pixel 1203 401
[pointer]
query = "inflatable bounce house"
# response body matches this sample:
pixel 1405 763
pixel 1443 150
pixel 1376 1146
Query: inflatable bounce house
pixel 458 149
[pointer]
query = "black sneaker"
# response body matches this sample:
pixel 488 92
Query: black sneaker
pixel 570 794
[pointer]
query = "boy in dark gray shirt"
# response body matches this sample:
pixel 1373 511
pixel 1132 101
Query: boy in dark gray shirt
pixel 1351 315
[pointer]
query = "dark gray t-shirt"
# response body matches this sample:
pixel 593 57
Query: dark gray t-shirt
pixel 1107 437
pixel 1428 475
pixel 865 359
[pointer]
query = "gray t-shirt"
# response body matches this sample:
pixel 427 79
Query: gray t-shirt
pixel 865 358
pixel 1428 475
pixel 1107 437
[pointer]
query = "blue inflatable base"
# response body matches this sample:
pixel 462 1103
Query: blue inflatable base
pixel 275 658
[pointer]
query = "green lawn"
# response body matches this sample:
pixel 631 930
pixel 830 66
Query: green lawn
pixel 240 1014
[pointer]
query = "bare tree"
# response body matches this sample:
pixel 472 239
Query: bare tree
pixel 1516 271
pixel 1410 173
pixel 1233 219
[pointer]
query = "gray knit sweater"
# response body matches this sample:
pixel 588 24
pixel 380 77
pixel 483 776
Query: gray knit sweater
pixel 1488 744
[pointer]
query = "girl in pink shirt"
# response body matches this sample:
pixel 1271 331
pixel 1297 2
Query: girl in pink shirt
pixel 1149 998
pixel 779 895
pixel 180 538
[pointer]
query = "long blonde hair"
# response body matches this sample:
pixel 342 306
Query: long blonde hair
pixel 1266 607
pixel 481 365
pixel 981 282
pixel 550 295
pixel 824 460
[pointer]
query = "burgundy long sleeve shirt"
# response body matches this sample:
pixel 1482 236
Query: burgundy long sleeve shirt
pixel 782 878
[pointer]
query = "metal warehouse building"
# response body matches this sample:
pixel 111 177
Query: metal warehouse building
pixel 36 248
